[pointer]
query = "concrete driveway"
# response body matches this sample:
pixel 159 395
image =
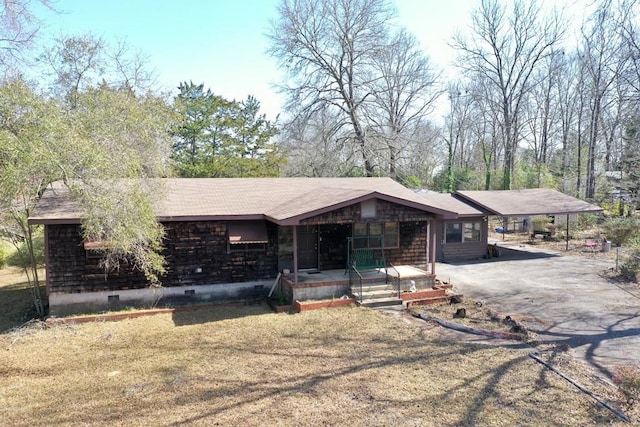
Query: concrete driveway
pixel 565 299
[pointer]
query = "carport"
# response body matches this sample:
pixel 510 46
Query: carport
pixel 529 202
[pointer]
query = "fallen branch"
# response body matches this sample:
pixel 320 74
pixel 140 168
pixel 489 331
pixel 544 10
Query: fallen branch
pixel 602 403
pixel 470 330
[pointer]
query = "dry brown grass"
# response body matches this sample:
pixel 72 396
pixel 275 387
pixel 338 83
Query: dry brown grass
pixel 248 366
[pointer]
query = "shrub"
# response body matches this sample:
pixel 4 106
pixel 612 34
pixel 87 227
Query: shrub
pixel 540 223
pixel 20 257
pixel 628 379
pixel 574 227
pixel 5 252
pixel 587 220
pixel 620 230
pixel 630 267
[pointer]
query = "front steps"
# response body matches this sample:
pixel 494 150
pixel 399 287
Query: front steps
pixel 376 295
pixel 386 294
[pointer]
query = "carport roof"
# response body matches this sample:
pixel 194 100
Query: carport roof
pixel 448 202
pixel 535 201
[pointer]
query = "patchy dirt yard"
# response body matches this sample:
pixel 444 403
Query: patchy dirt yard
pixel 475 315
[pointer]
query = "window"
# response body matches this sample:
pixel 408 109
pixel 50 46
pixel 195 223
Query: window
pixel 391 234
pixel 471 231
pixel 368 209
pixel 95 249
pixel 360 230
pixel 453 233
pixel 247 236
pixel 457 232
pixel 386 232
pixel 375 230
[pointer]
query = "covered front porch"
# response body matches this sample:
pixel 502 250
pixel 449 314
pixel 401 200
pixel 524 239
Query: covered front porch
pixel 322 252
pixel 397 282
pixel 370 245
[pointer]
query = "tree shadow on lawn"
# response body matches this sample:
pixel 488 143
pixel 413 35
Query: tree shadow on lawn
pixel 258 390
pixel 470 397
pixel 594 341
pixel 197 314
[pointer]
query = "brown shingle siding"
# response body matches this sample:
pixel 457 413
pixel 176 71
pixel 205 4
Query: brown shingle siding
pixel 196 254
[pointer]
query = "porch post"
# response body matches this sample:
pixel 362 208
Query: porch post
pixel 295 255
pixel 427 252
pixel 433 246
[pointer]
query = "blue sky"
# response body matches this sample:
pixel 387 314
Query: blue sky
pixel 222 43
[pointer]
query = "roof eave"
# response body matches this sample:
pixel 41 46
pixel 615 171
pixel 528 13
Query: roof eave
pixel 53 221
pixel 564 212
pixel 187 218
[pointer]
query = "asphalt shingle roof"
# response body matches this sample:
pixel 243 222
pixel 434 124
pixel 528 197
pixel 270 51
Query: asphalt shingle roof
pixel 447 202
pixel 535 201
pixel 283 200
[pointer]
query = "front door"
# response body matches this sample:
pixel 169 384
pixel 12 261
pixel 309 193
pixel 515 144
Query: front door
pixel 307 247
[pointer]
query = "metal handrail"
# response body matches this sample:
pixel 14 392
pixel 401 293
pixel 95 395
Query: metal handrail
pixel 398 280
pixel 355 270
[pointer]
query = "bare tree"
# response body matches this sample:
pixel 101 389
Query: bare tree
pixel 485 129
pixel 568 103
pixel 457 123
pixel 542 109
pixel 18 28
pixel 77 62
pixel 505 49
pixel 130 68
pixel 602 63
pixel 314 147
pixel 630 35
pixel 326 46
pixel 403 94
pixel 630 79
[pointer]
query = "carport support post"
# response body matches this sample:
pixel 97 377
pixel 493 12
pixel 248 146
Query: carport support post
pixel 567 248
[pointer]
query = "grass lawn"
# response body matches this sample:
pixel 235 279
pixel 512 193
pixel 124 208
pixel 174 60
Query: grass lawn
pixel 16 305
pixel 249 366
